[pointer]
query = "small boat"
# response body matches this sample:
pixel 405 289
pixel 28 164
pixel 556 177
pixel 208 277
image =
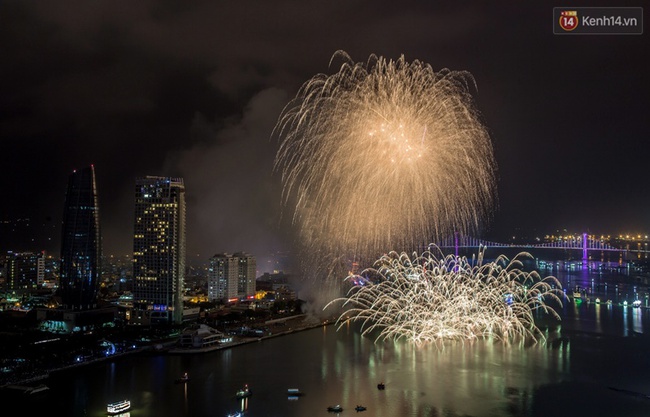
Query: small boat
pixel 118 407
pixel 183 378
pixel 360 408
pixel 244 392
pixel 381 386
pixel 335 408
pixel 294 392
pixel 636 303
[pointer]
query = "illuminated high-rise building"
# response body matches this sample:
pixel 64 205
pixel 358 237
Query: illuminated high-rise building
pixel 246 271
pixel 158 250
pixel 231 276
pixel 81 242
pixel 80 266
pixel 25 271
pixel 222 277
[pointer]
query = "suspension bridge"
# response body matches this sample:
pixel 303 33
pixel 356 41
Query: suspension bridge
pixel 585 243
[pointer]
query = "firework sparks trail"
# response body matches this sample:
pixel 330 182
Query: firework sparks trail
pixel 383 154
pixel 389 154
pixel 434 298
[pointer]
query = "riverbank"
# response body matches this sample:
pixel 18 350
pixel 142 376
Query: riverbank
pixel 289 326
pixel 285 327
pixel 32 379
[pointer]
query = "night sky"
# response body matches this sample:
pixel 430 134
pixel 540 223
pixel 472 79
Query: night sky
pixel 193 89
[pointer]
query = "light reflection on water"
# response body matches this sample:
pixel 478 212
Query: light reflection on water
pixel 474 379
pixel 594 347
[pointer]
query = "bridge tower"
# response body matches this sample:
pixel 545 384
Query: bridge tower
pixel 585 245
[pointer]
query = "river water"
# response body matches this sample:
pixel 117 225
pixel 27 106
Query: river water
pixel 594 348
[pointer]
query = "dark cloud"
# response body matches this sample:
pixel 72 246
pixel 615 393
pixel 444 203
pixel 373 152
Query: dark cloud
pixel 192 89
pixel 233 200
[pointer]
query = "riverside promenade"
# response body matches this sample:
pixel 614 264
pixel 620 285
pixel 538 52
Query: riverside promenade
pixel 277 327
pixel 27 380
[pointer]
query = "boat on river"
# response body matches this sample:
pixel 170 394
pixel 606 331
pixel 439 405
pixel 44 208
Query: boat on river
pixel 294 393
pixel 118 407
pixel 244 392
pixel 335 408
pixel 184 378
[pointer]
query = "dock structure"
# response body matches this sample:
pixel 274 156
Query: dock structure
pixel 26 389
pixel 22 388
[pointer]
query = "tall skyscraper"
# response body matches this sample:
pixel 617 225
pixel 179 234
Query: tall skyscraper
pixel 158 250
pixel 81 242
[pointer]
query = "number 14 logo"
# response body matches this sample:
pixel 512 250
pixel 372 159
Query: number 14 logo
pixel 569 20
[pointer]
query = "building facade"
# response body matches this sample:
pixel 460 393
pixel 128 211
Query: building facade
pixel 222 277
pixel 246 274
pixel 25 272
pixel 80 264
pixel 231 276
pixel 158 251
pixel 80 268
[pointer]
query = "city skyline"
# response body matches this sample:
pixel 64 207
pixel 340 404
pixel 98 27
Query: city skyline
pixel 195 92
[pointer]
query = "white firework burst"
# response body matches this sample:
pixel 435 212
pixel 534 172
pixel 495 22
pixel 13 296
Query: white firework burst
pixel 436 298
pixel 383 154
